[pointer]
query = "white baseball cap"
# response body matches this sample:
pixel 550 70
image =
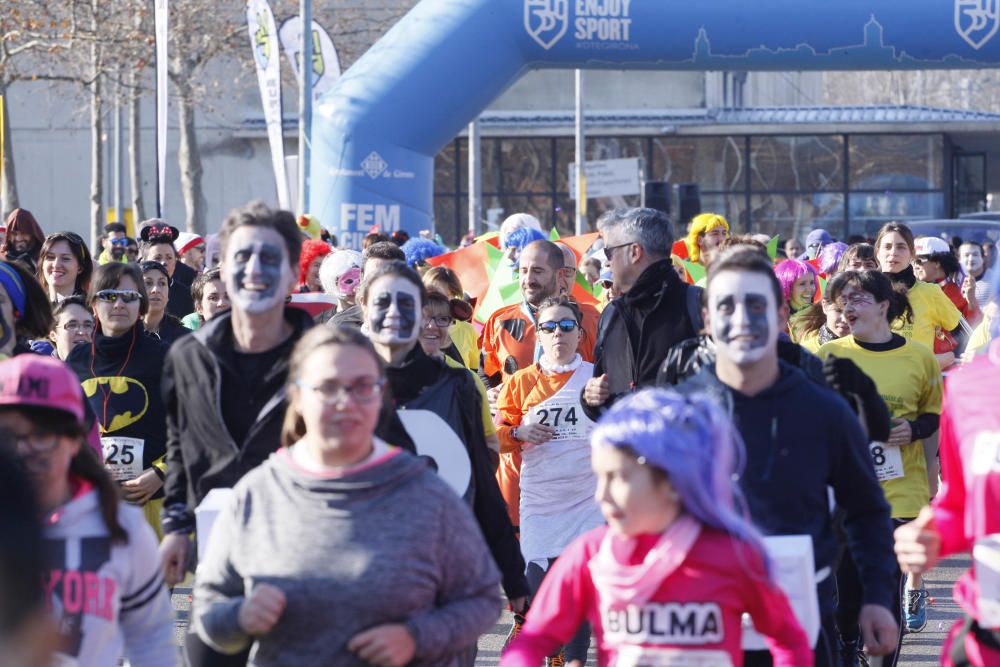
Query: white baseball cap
pixel 930 245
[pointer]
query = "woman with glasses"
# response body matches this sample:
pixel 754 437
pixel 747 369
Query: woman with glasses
pixel 907 377
pixel 435 339
pixel 120 372
pixel 103 580
pixel 540 417
pixel 157 321
pixel 370 558
pixel 74 325
pixel 65 266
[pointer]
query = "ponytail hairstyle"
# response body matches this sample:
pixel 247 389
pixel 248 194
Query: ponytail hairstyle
pixel 692 442
pixel 84 465
pixel 879 286
pixel 293 428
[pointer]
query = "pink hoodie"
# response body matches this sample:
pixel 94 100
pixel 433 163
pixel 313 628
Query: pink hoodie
pixel 696 608
pixel 967 506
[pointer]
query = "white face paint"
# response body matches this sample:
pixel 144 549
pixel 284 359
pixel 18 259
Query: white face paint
pixel 393 311
pixel 970 256
pixel 743 316
pixel 255 270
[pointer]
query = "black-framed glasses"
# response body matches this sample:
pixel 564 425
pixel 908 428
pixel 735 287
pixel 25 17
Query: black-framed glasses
pixel 442 321
pixel 609 250
pixel 37 442
pixel 362 391
pixel 112 295
pixel 566 326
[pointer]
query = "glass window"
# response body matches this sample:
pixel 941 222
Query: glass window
pixel 447 218
pixel 714 163
pixel 796 214
pixel 540 206
pixel 896 161
pixel 445 170
pixel 871 210
pixel 732 207
pixel 526 165
pixel 796 164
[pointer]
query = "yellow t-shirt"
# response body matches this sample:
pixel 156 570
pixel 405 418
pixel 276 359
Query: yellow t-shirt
pixel 488 427
pixel 981 336
pixel 810 341
pixel 465 338
pixel 909 381
pixel 931 310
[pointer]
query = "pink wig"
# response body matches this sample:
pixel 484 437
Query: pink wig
pixel 790 270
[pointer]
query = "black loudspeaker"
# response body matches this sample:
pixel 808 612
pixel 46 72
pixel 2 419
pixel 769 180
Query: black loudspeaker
pixel 688 202
pixel 658 195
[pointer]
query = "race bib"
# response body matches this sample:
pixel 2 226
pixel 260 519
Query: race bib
pixel 567 419
pixel 888 461
pixel 123 457
pixel 650 656
pixel 986 563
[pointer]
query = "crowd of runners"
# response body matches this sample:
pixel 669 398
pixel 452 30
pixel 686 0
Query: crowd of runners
pixel 628 439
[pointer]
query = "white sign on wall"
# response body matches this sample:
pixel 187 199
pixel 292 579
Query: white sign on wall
pixel 608 178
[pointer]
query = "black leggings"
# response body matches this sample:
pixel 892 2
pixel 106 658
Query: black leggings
pixel 577 647
pixel 199 654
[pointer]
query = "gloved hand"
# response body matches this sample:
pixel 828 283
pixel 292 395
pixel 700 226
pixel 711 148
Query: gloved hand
pixel 844 376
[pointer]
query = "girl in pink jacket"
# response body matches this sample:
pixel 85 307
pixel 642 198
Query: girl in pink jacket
pixel 965 515
pixel 668 579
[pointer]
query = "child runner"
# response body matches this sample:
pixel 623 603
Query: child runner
pixel 667 580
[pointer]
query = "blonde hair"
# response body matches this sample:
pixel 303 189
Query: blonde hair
pixel 702 224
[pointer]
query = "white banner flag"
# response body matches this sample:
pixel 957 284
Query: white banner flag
pixel 161 15
pixel 264 41
pixel 326 62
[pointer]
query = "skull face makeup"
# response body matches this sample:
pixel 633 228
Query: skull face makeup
pixel 393 308
pixel 743 316
pixel 970 256
pixel 256 270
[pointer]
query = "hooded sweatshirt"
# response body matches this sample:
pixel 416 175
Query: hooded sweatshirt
pixel 108 596
pixel 801 438
pixel 386 542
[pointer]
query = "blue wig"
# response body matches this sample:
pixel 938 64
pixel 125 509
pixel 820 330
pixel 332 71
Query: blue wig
pixel 519 238
pixel 695 443
pixel 418 250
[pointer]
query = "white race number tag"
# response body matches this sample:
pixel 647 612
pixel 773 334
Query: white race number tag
pixel 888 461
pixel 567 419
pixel 986 562
pixel 648 656
pixel 123 457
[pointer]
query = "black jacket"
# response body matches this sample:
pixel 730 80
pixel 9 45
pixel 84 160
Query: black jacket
pixel 800 438
pixel 201 452
pixel 426 383
pixel 637 330
pixel 179 301
pixel 135 409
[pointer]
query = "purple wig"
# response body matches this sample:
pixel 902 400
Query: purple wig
pixel 695 443
pixel 790 270
pixel 829 257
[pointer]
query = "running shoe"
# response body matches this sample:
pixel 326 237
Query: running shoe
pixel 515 630
pixel 915 614
pixel 852 654
pixel 557 660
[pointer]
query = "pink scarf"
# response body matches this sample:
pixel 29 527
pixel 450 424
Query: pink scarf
pixel 619 584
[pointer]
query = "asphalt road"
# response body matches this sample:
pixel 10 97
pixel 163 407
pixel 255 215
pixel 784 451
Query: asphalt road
pixel 923 648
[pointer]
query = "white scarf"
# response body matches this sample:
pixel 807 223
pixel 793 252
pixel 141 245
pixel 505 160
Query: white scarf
pixel 556 369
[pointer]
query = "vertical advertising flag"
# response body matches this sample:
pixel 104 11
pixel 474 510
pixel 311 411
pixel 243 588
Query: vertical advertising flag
pixel 325 61
pixel 264 41
pixel 160 18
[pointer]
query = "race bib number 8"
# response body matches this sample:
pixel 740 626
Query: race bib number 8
pixel 123 457
pixel 888 461
pixel 566 418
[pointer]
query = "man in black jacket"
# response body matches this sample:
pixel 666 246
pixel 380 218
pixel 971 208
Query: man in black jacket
pixel 224 386
pixel 800 439
pixel 655 311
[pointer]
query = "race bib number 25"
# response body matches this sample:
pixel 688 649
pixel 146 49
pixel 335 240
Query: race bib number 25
pixel 123 457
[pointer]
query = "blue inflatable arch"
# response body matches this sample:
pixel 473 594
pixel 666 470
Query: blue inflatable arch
pixel 375 134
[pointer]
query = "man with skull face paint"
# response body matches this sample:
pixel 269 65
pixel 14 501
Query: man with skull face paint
pixel 392 298
pixel 224 385
pixel 785 482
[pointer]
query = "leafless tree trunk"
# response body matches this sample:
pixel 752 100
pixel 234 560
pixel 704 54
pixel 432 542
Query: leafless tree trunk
pixel 8 183
pixel 96 151
pixel 189 160
pixel 134 153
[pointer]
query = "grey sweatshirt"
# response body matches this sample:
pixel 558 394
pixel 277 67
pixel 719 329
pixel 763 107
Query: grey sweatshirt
pixel 387 543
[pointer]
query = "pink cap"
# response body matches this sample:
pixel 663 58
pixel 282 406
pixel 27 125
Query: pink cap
pixel 45 382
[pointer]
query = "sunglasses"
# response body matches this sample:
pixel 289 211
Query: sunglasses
pixel 112 295
pixel 566 326
pixel 121 242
